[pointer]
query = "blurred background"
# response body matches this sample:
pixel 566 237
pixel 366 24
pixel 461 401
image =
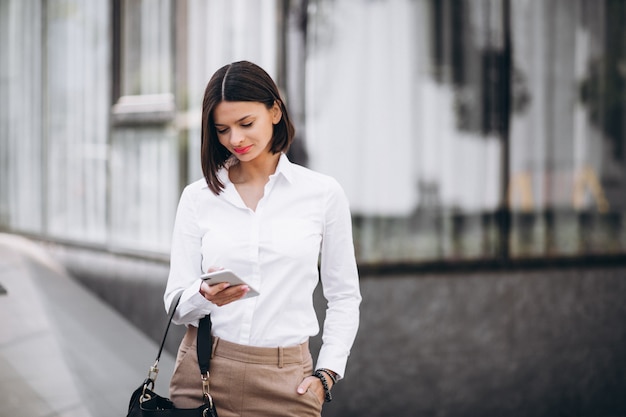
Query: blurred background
pixel 481 144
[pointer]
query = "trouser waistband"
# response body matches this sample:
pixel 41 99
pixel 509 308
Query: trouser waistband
pixel 260 355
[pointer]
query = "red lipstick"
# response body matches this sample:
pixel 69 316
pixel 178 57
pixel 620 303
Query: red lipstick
pixel 242 150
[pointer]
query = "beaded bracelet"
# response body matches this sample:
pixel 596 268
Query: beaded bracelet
pixel 327 396
pixel 330 373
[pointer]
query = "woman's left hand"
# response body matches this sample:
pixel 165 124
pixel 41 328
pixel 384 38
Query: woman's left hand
pixel 314 384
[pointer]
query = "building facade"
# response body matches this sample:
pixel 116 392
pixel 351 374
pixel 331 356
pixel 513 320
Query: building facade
pixel 460 130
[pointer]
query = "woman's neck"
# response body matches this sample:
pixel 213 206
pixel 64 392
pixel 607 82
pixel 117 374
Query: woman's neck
pixel 251 177
pixel 256 171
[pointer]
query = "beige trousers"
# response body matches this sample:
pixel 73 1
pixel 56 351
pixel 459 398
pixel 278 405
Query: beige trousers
pixel 246 381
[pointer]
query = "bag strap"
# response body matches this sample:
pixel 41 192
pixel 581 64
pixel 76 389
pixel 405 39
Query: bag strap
pixel 204 344
pixel 169 322
pixel 154 369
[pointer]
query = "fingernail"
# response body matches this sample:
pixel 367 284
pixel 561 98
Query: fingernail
pixel 300 390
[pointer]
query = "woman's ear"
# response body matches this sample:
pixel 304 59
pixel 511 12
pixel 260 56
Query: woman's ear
pixel 277 113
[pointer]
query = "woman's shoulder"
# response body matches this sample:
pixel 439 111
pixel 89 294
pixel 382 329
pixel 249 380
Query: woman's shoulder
pixel 196 186
pixel 308 175
pixel 197 191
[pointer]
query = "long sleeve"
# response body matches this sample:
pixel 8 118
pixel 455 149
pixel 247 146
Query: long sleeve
pixel 340 282
pixel 186 263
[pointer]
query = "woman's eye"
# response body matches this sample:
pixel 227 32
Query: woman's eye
pixel 221 131
pixel 247 124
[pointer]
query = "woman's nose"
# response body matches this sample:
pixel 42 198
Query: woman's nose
pixel 237 137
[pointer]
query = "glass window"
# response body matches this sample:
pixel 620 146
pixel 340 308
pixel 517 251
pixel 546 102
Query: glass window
pixel 143 60
pixel 75 132
pixel 21 158
pixel 568 174
pixel 144 158
pixel 146 47
pixel 466 130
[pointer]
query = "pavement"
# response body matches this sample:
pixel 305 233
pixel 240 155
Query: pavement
pixel 63 351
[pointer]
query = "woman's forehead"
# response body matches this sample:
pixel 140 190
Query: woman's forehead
pixel 233 111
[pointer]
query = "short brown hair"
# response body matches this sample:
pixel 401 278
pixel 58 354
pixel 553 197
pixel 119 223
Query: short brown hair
pixel 239 81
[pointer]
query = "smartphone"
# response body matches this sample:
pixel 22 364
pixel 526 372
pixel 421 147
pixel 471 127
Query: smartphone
pixel 226 275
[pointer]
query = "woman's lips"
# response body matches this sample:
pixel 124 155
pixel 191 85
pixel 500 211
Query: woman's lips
pixel 243 150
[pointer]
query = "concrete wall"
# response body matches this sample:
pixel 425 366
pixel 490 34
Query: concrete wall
pixel 549 342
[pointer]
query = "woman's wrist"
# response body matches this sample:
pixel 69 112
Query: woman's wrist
pixel 331 374
pixel 322 376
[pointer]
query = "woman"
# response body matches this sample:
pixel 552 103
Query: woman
pixel 272 223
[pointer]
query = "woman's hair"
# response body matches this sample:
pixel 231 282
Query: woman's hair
pixel 239 81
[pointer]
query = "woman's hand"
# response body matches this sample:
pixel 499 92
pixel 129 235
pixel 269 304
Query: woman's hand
pixel 222 293
pixel 314 384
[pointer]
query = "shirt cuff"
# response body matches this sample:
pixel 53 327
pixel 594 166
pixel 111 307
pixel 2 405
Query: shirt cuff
pixel 192 306
pixel 329 358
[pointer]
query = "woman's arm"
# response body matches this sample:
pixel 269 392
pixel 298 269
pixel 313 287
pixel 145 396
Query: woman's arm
pixel 186 263
pixel 340 282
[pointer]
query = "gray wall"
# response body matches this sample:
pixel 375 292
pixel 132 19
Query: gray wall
pixel 541 342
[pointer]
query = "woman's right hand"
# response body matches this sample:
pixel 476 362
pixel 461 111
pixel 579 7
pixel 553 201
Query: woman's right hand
pixel 222 293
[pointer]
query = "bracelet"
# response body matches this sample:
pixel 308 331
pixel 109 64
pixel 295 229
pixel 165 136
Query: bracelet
pixel 320 375
pixel 330 373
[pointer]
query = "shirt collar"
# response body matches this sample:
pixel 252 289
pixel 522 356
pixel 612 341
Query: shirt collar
pixel 284 168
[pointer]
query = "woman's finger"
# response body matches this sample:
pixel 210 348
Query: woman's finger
pixel 312 383
pixel 227 294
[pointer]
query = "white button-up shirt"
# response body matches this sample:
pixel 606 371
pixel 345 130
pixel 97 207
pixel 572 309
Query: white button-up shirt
pixel 302 221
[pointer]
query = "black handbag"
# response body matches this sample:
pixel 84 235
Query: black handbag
pixel 144 402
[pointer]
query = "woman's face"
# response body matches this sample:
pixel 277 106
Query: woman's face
pixel 245 128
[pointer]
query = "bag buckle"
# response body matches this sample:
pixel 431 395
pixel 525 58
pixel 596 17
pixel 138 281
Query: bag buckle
pixel 205 389
pixel 153 371
pixel 152 376
pixel 144 395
